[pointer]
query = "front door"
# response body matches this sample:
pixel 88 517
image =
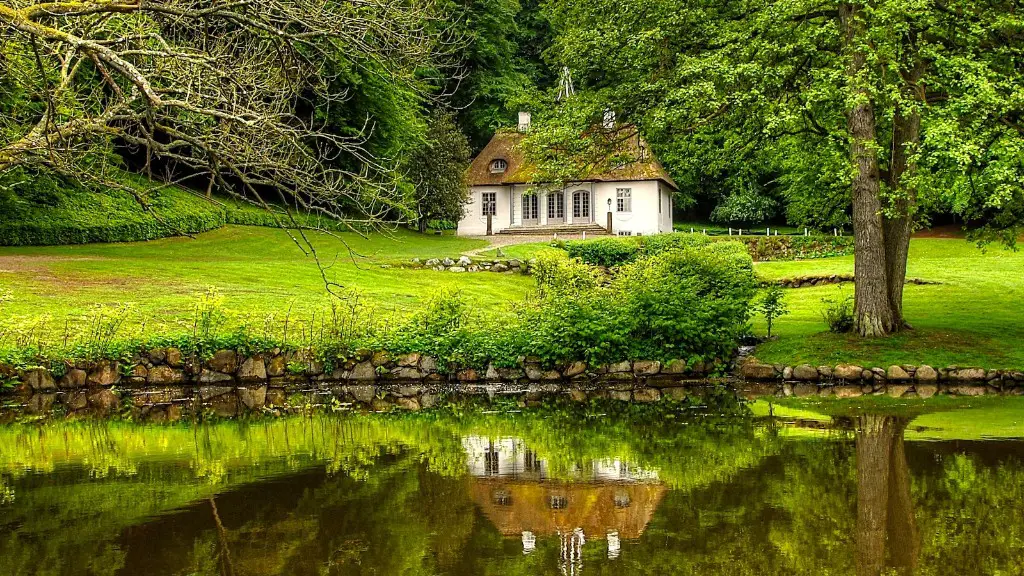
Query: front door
pixel 556 208
pixel 531 210
pixel 581 206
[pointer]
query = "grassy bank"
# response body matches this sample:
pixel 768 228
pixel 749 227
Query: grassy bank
pixel 973 316
pixel 258 271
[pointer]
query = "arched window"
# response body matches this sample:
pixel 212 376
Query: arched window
pixel 498 166
pixel 581 204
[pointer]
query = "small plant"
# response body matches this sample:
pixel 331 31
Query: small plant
pixel 837 312
pixel 772 305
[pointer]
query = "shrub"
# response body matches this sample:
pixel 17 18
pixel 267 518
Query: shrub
pixel 837 312
pixel 767 248
pixel 603 251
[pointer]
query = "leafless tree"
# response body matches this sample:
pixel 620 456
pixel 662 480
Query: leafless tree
pixel 218 89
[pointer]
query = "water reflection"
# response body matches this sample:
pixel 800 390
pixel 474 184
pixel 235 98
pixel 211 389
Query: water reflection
pixel 529 494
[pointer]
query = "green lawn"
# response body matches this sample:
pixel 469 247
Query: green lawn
pixel 258 270
pixel 974 317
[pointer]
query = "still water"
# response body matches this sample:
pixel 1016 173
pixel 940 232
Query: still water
pixel 739 489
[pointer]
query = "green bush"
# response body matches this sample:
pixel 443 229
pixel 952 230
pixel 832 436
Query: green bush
pixel 837 312
pixel 767 248
pixel 43 210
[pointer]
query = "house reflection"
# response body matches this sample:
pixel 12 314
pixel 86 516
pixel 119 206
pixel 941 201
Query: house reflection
pixel 600 500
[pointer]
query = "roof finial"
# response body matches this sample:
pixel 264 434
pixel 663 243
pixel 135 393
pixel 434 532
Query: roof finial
pixel 565 89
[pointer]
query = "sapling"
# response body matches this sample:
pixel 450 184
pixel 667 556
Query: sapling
pixel 772 305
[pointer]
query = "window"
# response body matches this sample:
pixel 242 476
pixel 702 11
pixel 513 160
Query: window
pixel 490 203
pixel 558 502
pixel 625 233
pixel 624 199
pixel 581 204
pixel 556 206
pixel 531 207
pixel 498 165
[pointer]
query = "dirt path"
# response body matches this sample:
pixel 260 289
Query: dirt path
pixel 500 240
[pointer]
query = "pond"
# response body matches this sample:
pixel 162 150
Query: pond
pixel 721 488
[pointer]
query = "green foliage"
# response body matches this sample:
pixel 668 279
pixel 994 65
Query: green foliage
pixel 437 170
pixel 769 248
pixel 837 312
pixel 615 251
pixel 41 209
pixel 772 305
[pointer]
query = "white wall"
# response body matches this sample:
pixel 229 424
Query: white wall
pixel 643 219
pixel 474 223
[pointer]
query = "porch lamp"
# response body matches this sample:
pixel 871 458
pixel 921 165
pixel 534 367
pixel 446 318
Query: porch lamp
pixel 609 204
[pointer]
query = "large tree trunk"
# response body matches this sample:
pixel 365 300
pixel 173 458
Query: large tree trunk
pixel 873 311
pixel 906 136
pixel 874 449
pixel 904 541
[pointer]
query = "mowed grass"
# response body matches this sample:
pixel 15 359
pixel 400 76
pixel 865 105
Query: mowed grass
pixel 974 317
pixel 258 271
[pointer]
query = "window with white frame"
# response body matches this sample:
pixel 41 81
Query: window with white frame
pixel 489 203
pixel 498 165
pixel 624 199
pixel 531 207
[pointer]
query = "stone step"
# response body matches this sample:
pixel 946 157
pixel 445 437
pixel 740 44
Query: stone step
pixel 590 229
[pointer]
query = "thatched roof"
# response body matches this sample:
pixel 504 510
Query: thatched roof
pixel 505 145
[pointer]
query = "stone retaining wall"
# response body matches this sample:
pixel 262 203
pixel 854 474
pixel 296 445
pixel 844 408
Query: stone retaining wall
pixel 847 380
pixel 467 264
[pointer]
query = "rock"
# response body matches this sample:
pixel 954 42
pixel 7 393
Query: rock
pixel 825 372
pixel 406 373
pixel 253 398
pixel 511 374
pixel 577 395
pixel 513 263
pixel 104 374
pixel 223 361
pixel 253 369
pixel 646 367
pixel 867 374
pixel 380 358
pixel 787 373
pixel 157 355
pixel 617 367
pixel 967 374
pixel 208 392
pixel 755 370
pixel 550 375
pixel 277 366
pixel 499 267
pixel 104 401
pixel 39 379
pixel 646 395
pixel 926 373
pixel 448 262
pixel 575 369
pixel 416 261
pixel 275 397
pixel 173 357
pixel 847 372
pixel 428 364
pixel 533 372
pixel 410 360
pixel 432 262
pixel 847 391
pixel 926 390
pixel 165 375
pixel 467 375
pixel 897 390
pixel 138 373
pixel 456 269
pixel 363 371
pixel 464 261
pixel 674 367
pixel 408 404
pixel 897 374
pixel 805 372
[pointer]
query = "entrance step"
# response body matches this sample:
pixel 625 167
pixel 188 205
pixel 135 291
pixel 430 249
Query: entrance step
pixel 590 229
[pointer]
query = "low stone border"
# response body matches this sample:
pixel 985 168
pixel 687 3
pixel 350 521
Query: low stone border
pixel 905 380
pixel 808 281
pixel 467 264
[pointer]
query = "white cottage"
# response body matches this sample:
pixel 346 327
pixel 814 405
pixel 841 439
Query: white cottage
pixel 633 199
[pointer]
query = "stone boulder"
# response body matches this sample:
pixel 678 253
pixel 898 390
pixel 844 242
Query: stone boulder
pixel 253 369
pixel 363 371
pixel 619 367
pixel 104 401
pixel 223 361
pixel 74 378
pixel 968 375
pixel 646 367
pixel 499 267
pixel 213 377
pixel 165 375
pixel 926 373
pixel 646 395
pixel 39 379
pixel 277 366
pixel 575 369
pixel 806 372
pixel 926 390
pixel 674 367
pixel 755 370
pixel 897 374
pixel 848 372
pixel 253 398
pixel 411 360
pixel 173 357
pixel 465 261
pixel 104 373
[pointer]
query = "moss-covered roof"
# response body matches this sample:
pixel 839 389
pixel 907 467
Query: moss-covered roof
pixel 506 145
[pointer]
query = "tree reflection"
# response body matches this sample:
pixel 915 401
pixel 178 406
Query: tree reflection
pixel 885 512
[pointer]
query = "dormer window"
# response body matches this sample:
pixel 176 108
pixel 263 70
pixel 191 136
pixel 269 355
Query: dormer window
pixel 498 166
